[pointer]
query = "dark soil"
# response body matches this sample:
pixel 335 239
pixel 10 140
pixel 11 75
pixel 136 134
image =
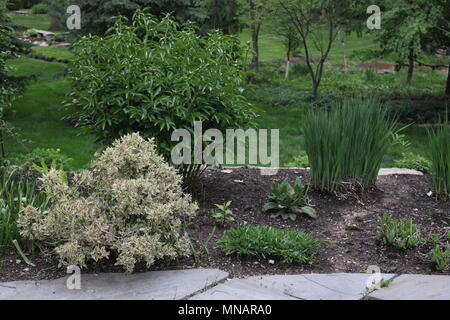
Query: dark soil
pixel 346 229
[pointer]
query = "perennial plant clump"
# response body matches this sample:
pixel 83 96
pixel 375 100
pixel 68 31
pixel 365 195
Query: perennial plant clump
pixel 129 207
pixel 348 144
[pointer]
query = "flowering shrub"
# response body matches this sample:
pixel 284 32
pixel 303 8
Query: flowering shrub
pixel 130 206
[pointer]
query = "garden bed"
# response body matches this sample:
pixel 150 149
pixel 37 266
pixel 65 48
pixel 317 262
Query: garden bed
pixel 346 229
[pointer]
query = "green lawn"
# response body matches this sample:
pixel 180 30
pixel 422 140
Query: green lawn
pixel 271 47
pixel 51 52
pixel 39 112
pixel 32 21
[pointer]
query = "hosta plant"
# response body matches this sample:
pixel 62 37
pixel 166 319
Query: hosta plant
pixel 128 208
pixel 287 202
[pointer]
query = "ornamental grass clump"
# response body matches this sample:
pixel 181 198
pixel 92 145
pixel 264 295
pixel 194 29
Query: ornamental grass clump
pixel 129 207
pixel 347 144
pixel 439 142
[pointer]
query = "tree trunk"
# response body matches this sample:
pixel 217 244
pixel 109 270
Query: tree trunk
pixel 315 89
pixel 288 61
pixel 447 88
pixel 288 65
pixel 410 67
pixel 255 46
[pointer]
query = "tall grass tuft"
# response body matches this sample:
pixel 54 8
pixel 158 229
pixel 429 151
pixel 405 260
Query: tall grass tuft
pixel 348 143
pixel 439 142
pixel 15 194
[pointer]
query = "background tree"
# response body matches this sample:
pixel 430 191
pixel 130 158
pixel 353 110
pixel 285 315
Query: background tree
pixel 96 15
pixel 21 4
pixel 406 26
pixel 10 86
pixel 438 36
pixel 317 23
pixel 280 26
pixel 253 13
pixel 222 15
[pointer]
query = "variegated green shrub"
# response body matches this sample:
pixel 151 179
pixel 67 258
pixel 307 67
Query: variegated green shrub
pixel 129 206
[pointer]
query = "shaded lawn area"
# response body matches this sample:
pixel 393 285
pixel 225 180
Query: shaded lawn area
pixel 52 52
pixel 39 112
pixel 31 21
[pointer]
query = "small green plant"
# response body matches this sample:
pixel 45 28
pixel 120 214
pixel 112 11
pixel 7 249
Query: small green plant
pixel 290 246
pixel 400 141
pixel 435 238
pixel 47 155
pixel 400 233
pixel 31 33
pixel 440 258
pixel 16 193
pixel 287 202
pixel 299 162
pixel 224 214
pixel 44 169
pixel 370 74
pixel 410 160
pixel 439 142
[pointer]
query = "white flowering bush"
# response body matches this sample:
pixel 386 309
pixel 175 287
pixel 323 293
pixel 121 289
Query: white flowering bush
pixel 129 207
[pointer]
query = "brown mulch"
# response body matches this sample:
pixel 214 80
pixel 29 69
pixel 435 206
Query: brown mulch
pixel 346 229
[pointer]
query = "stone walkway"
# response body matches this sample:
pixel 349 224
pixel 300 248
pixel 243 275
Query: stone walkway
pixel 213 284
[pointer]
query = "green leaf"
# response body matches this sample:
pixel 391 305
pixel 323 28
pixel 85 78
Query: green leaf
pixel 309 211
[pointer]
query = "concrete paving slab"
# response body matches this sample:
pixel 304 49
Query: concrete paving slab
pixel 155 285
pixel 337 286
pixel 382 172
pixel 394 171
pixel 415 287
pixel 241 289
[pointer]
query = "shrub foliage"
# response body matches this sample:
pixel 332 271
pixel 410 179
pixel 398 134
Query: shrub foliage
pixel 129 206
pixel 155 76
